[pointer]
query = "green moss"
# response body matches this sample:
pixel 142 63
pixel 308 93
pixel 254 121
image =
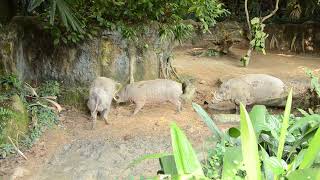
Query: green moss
pixel 107 53
pixel 76 97
pixel 7 48
pixel 16 126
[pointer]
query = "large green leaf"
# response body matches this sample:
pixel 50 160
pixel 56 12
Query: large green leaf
pixel 249 146
pixel 53 9
pixel 312 151
pixel 186 159
pixel 284 126
pixel 258 118
pixel 309 174
pixel 168 165
pixel 34 4
pixel 232 161
pixel 274 165
pixel 147 156
pixel 267 172
pixel 299 123
pixel 296 162
pixel 305 137
pixel 67 16
pixel 206 118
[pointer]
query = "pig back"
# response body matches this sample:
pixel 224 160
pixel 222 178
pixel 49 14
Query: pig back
pixel 108 85
pixel 265 87
pixel 98 97
pixel 158 90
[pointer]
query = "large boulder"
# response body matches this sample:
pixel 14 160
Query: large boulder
pixel 16 120
pixel 27 50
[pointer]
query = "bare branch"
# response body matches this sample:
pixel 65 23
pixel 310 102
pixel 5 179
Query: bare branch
pixel 17 149
pixel 31 90
pixel 247 14
pixel 272 13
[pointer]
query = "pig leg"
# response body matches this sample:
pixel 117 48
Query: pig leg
pixel 177 102
pixel 105 115
pixel 139 105
pixel 94 119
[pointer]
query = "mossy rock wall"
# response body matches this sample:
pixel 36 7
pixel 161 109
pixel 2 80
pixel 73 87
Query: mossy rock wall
pixel 297 38
pixel 27 50
pixel 15 126
pixel 289 37
pixel 76 97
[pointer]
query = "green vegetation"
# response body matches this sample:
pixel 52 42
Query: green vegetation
pixel 67 25
pixel 273 147
pixel 24 115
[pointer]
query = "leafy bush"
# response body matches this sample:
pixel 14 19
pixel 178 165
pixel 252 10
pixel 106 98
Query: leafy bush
pixel 49 88
pixel 259 37
pixel 42 116
pixel 259 158
pixel 74 26
pixel 274 151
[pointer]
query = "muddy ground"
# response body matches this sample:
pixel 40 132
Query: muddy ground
pixel 73 151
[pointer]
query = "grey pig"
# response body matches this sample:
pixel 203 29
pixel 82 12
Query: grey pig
pixel 101 93
pixel 151 91
pixel 249 89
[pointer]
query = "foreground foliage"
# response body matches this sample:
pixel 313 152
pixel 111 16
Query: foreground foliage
pixel 272 147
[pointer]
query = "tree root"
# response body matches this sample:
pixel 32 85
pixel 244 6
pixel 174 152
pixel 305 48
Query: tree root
pixel 167 71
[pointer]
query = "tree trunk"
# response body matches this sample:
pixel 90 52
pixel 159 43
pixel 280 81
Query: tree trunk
pixel 246 59
pixel 132 58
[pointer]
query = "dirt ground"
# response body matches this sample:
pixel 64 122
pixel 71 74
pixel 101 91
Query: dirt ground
pixel 73 151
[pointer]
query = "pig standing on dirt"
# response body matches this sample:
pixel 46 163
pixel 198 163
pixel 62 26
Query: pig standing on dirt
pixel 101 93
pixel 151 91
pixel 249 89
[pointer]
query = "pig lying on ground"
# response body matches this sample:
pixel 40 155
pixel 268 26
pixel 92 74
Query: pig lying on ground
pixel 249 89
pixel 151 91
pixel 101 93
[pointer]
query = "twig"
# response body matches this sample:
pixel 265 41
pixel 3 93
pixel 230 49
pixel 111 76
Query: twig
pixel 32 91
pixel 59 108
pixel 272 13
pixel 247 15
pixel 17 149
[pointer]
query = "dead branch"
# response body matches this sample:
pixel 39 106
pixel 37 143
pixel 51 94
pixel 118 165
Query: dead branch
pixel 247 15
pixel 131 62
pixel 17 149
pixel 272 13
pixel 59 108
pixel 302 43
pixel 31 89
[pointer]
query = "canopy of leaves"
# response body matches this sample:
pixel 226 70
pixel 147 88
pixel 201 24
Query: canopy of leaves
pixel 83 16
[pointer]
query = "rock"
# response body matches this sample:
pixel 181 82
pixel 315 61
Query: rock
pixel 202 82
pixel 75 97
pixel 281 37
pixel 36 59
pixel 17 122
pixel 19 172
